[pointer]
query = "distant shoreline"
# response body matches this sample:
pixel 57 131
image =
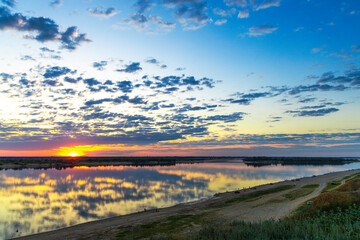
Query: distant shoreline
pixel 18 163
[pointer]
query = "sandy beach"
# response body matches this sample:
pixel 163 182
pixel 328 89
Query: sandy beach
pixel 269 203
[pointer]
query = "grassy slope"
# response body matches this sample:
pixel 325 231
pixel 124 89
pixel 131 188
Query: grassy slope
pixel 333 215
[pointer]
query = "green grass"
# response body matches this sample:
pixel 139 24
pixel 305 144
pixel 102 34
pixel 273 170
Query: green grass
pixel 331 185
pixel 340 224
pixel 255 195
pixel 303 191
pixel 165 228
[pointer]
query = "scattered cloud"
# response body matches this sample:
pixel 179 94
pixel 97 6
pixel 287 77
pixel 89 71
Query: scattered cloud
pixel 261 30
pixel 101 12
pixel 220 22
pixel 131 68
pixel 46 29
pixel 313 113
pixel 100 65
pixel 243 14
pixel 56 3
pixel 268 3
pixel 9 3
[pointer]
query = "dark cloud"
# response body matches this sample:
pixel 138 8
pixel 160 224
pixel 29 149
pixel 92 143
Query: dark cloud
pixel 237 116
pixel 117 100
pixel 191 13
pixel 171 83
pixel 143 5
pixel 350 77
pixel 52 83
pixel 46 29
pixel 138 20
pixel 5 76
pixel 71 38
pixel 261 30
pixel 313 113
pixel 72 80
pixel 153 61
pixel 10 3
pixel 109 12
pixel 247 98
pixel 188 107
pixel 125 86
pixel 56 71
pixel 316 87
pixel 91 82
pixel 131 68
pixel 100 65
pixel 307 100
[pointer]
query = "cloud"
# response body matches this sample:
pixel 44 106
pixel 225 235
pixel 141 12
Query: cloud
pixel 125 86
pixel 101 12
pixel 237 116
pixel 243 14
pixel 91 82
pixel 143 5
pixel 239 3
pixel 261 30
pixel 268 3
pixel 100 65
pixel 316 87
pixel 9 3
pixel 159 21
pixel 313 113
pixel 247 98
pixel 350 77
pixel 27 58
pixel 153 61
pixel 307 100
pixel 191 13
pixel 131 68
pixel 224 13
pixel 45 28
pixel 316 50
pixel 220 22
pixel 56 3
pixel 56 71
pixel 355 48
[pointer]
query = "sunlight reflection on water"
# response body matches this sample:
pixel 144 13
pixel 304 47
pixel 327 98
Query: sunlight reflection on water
pixel 34 201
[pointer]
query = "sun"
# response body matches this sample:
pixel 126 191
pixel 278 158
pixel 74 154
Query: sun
pixel 73 154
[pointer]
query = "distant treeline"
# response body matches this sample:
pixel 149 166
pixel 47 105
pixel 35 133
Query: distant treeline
pixel 68 162
pixel 316 161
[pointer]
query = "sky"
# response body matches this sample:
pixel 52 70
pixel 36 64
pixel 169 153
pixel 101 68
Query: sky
pixel 180 78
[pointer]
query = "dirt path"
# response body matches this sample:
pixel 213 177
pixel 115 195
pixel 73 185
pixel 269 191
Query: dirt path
pixel 216 210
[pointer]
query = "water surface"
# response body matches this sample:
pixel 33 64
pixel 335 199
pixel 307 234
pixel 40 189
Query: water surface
pixel 33 201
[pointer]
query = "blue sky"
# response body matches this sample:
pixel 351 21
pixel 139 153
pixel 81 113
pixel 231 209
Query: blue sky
pixel 183 77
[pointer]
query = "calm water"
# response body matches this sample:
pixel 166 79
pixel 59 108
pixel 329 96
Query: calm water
pixel 34 201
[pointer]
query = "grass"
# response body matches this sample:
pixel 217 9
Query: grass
pixel 331 185
pixel 164 228
pixel 333 215
pixel 257 194
pixel 341 224
pixel 303 191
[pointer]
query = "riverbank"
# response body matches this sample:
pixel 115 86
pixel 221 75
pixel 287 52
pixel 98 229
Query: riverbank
pixel 18 163
pixel 270 201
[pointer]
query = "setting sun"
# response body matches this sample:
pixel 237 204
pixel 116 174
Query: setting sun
pixel 73 154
